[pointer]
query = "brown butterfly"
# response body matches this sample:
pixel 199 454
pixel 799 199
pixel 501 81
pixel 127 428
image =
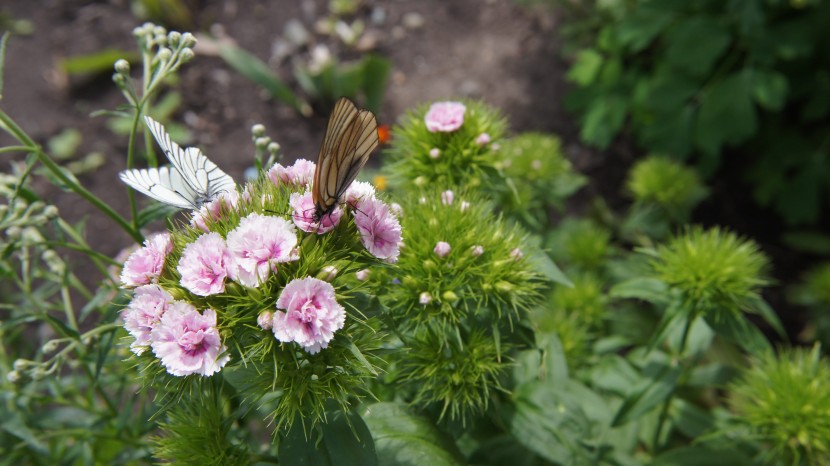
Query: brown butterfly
pixel 351 136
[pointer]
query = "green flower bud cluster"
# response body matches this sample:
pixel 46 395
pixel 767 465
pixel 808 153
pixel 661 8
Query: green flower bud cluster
pixel 462 157
pixel 784 403
pixel 669 185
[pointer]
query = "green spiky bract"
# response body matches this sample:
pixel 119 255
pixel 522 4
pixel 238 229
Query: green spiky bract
pixel 784 402
pixel 462 161
pixel 476 305
pixel 667 184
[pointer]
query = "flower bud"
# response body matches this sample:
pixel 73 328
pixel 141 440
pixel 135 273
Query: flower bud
pixel 447 197
pixel 50 346
pixel 164 54
pixel 122 66
pixel 50 212
pixel 434 153
pixel 476 250
pixel 449 296
pixel 258 130
pixel 173 38
pixel 265 320
pixel 425 298
pixel 483 139
pixel 188 39
pixel 119 79
pixel 186 55
pixel 13 376
pixel 421 181
pixel 422 200
pixel 465 206
pixel 261 142
pixel 363 275
pixel 516 254
pixel 429 265
pixel 409 281
pixel 328 273
pixel 20 365
pixel 160 31
pixel 273 147
pixel 38 373
pixel 442 249
pixel 13 232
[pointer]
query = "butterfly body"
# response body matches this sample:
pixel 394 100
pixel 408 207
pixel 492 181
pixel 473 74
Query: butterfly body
pixel 190 181
pixel 350 138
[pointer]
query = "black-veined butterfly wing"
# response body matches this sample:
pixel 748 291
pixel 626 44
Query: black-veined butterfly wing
pixel 350 138
pixel 163 184
pixel 191 181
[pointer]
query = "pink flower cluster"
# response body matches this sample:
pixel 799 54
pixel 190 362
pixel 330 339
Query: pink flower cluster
pixel 445 117
pixel 213 210
pixel 380 230
pixel 185 340
pixel 300 175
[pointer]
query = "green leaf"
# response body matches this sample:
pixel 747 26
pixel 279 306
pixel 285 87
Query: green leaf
pixel 586 67
pixel 711 375
pixel 64 144
pixel 554 364
pixel 769 88
pixel 737 329
pixel 404 439
pixel 763 309
pixel 645 399
pixel 257 71
pixel 694 44
pixel 603 120
pixel 3 41
pixel 346 441
pixel 702 456
pixel 814 242
pixel 16 426
pixel 639 27
pixel 61 328
pixel 375 76
pixel 98 62
pixel 543 264
pixel 650 290
pixel 726 114
pixel 549 423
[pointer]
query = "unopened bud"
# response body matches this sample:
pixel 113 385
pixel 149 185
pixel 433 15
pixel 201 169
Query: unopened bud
pixel 20 365
pixel 265 320
pixel 261 142
pixel 50 346
pixel 186 55
pixel 13 376
pixel 188 40
pixel 328 273
pixel 421 181
pixel 119 79
pixel 122 66
pixel 273 147
pixel 50 212
pixel 477 250
pixel 442 249
pixel 164 54
pixel 173 38
pixel 449 296
pixel 465 206
pixel 425 298
pixel 429 265
pixel 258 130
pixel 516 254
pixel 363 275
pixel 434 153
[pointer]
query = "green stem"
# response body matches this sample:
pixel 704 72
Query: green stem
pixel 15 149
pixel 50 165
pixel 664 410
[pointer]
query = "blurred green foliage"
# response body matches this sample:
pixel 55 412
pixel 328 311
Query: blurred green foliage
pixel 697 79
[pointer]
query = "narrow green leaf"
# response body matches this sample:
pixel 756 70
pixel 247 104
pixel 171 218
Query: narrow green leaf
pixel 649 397
pixel 814 242
pixel 346 441
pixel 257 71
pixel 737 329
pixel 3 41
pixel 16 426
pixel 547 267
pixel 703 456
pixel 404 439
pixel 768 314
pixel 359 355
pixel 650 290
pixel 62 328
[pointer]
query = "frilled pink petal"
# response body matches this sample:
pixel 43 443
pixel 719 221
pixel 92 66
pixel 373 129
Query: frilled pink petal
pixel 358 191
pixel 380 231
pixel 204 265
pixel 298 175
pixel 143 313
pixel 303 215
pixel 213 210
pixel 188 342
pixel 311 314
pixel 445 117
pixel 145 265
pixel 257 245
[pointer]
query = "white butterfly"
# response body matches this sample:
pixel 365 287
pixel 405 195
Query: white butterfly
pixel 191 180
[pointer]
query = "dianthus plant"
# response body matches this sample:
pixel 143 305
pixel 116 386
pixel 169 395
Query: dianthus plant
pixel 252 290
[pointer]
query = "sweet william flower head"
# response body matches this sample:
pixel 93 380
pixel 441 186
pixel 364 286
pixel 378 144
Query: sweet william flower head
pixel 145 265
pixel 205 264
pixel 442 249
pixel 445 117
pixel 144 313
pixel 380 231
pixel 298 175
pixel 213 210
pixel 309 314
pixel 188 342
pixel 784 401
pixel 257 245
pixel 303 215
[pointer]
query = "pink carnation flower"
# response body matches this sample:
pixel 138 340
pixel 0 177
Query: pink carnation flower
pixel 188 342
pixel 304 215
pixel 300 174
pixel 442 249
pixel 213 210
pixel 204 265
pixel 358 191
pixel 445 117
pixel 144 266
pixel 257 245
pixel 380 231
pixel 143 314
pixel 312 314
